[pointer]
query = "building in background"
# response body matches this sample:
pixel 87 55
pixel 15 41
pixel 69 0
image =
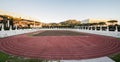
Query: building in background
pixel 18 20
pixel 12 22
pixel 96 21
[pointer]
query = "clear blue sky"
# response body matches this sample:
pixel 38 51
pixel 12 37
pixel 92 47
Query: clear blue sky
pixel 61 10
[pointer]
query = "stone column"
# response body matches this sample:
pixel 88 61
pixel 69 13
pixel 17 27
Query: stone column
pixel 95 28
pixel 10 27
pixel 88 27
pixel 107 28
pixel 116 28
pixel 100 28
pixel 8 23
pixel 82 27
pixel 85 27
pixel 15 27
pixel 2 29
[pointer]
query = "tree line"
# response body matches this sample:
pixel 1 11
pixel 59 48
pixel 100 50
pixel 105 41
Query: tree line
pixel 65 24
pixel 70 23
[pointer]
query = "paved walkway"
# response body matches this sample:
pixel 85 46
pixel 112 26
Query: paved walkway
pixel 102 59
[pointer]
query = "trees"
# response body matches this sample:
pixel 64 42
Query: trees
pixel 70 22
pixel 112 22
pixel 65 24
pixel 94 26
pixel 112 26
pixel 102 23
pixel 53 24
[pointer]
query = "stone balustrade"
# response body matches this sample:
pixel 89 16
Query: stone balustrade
pixel 106 32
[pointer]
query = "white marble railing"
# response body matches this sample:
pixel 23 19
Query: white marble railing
pixel 6 33
pixel 106 33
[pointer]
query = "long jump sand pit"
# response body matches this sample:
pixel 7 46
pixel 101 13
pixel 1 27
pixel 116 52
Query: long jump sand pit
pixel 60 44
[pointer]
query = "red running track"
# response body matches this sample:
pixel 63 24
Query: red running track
pixel 60 47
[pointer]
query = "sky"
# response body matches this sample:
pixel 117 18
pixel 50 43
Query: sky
pixel 61 10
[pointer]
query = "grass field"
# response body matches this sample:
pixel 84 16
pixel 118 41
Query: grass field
pixel 9 58
pixel 5 57
pixel 115 57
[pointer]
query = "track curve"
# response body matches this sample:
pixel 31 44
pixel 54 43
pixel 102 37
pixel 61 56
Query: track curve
pixel 60 47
